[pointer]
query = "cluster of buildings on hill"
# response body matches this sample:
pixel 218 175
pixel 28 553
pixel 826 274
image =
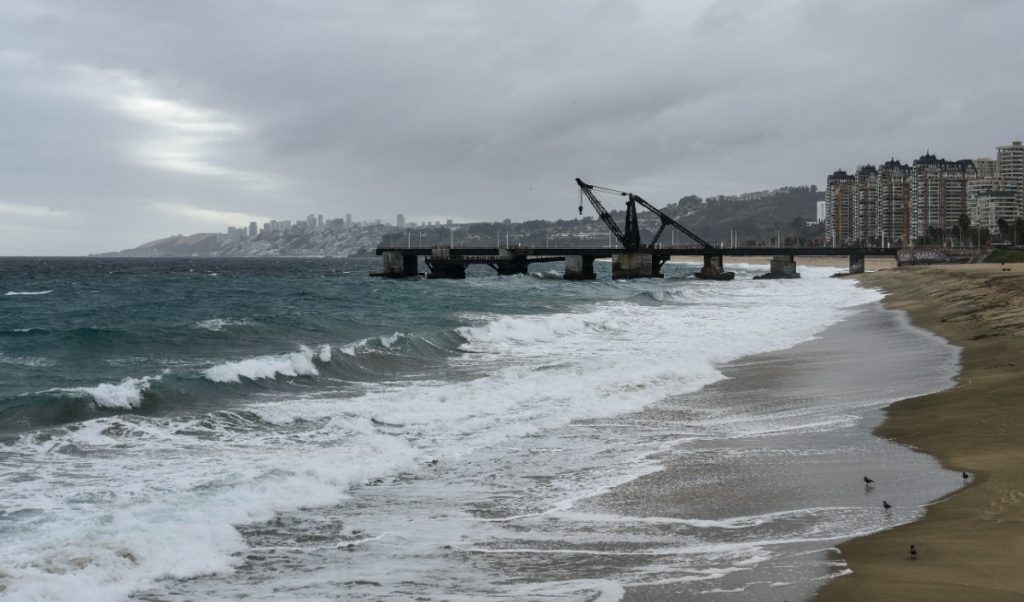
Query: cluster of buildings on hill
pixel 932 201
pixel 312 223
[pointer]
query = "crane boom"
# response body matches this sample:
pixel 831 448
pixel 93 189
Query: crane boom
pixel 668 221
pixel 606 217
pixel 630 239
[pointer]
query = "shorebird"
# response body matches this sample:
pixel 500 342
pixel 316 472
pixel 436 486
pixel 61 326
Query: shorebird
pixel 868 482
pixel 913 552
pixel 886 505
pixel 966 476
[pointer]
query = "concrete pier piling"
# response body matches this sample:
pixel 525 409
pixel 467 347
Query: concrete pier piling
pixel 626 266
pixel 442 265
pixel 782 266
pixel 398 265
pixel 509 264
pixel 647 262
pixel 856 264
pixel 714 269
pixel 579 267
pixel 445 268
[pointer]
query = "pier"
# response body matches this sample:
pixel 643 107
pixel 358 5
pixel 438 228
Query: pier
pixel 631 258
pixel 448 262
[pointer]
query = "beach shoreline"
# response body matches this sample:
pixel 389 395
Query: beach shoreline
pixel 969 543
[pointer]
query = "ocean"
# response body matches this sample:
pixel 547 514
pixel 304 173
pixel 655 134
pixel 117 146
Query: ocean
pixel 266 429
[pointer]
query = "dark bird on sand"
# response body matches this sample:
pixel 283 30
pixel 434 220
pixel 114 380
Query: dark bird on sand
pixel 886 505
pixel 966 476
pixel 913 552
pixel 868 481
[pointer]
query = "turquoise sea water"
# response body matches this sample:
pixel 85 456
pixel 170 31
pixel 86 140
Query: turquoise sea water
pixel 204 428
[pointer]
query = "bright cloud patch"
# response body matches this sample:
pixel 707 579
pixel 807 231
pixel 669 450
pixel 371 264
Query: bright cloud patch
pixel 185 138
pixel 224 218
pixel 28 211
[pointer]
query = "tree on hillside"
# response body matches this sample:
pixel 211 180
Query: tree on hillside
pixel 965 226
pixel 1004 227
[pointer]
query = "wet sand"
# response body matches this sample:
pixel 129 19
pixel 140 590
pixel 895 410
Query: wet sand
pixel 970 544
pixel 780 482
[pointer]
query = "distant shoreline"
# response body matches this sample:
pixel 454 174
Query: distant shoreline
pixel 968 543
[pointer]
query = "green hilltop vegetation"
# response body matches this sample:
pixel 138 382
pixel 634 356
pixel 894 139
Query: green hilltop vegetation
pixel 1005 256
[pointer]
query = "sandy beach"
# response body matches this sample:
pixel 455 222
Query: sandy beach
pixel 971 543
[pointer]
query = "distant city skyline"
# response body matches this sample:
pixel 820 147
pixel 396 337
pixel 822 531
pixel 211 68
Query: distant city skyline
pixel 126 122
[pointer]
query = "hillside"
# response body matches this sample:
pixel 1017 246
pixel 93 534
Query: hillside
pixel 755 217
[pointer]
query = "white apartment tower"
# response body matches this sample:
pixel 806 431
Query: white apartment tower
pixel 995 205
pixel 1010 159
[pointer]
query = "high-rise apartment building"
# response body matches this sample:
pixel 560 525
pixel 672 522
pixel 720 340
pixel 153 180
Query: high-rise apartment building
pixel 865 204
pixel 995 205
pixel 987 179
pixel 839 198
pixel 1010 159
pixel 938 196
pixel 986 167
pixel 400 221
pixel 900 204
pixel 893 207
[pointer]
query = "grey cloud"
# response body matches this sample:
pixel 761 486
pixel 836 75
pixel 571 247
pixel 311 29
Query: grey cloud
pixel 482 110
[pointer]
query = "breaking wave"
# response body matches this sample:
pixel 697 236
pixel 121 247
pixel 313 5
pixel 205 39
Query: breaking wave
pixel 125 395
pixel 297 363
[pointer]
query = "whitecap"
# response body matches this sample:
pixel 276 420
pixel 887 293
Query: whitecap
pixel 12 293
pixel 297 363
pixel 126 394
pixel 219 324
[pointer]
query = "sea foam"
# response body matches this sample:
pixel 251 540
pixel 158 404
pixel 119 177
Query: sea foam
pixel 13 293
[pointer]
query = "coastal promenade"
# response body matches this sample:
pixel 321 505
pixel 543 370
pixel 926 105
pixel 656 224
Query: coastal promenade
pixel 970 544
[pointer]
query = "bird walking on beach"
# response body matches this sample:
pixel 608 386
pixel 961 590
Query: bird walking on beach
pixel 966 476
pixel 913 552
pixel 868 482
pixel 886 505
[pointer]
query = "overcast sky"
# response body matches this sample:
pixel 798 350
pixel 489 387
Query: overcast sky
pixel 122 122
